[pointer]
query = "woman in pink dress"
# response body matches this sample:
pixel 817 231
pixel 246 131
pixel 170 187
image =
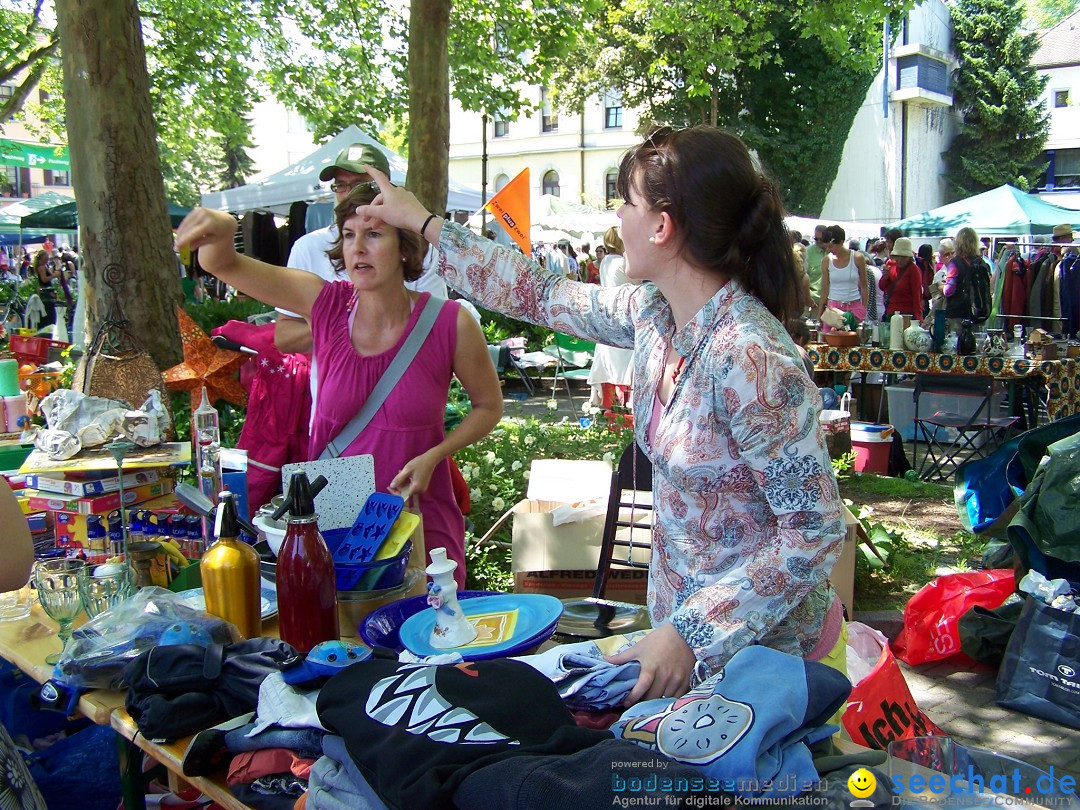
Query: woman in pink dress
pixel 358 326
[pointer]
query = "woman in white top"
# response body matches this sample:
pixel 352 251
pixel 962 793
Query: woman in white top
pixel 843 276
pixel 612 372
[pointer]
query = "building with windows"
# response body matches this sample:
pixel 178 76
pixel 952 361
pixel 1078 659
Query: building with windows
pixel 893 163
pixel 572 156
pixel 1058 58
pixel 27 166
pixel 891 166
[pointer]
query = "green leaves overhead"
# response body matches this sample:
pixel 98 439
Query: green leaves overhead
pixel 997 91
pixel 682 62
pixel 340 64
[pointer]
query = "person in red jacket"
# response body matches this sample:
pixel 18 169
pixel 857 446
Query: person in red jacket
pixel 902 281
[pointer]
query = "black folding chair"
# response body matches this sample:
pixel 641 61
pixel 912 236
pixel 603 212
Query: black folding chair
pixel 953 438
pixel 627 526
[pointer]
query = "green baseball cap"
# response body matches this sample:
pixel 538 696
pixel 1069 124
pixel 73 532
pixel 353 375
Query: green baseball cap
pixel 354 157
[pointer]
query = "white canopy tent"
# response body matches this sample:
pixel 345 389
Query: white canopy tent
pixel 553 218
pixel 853 230
pixel 300 182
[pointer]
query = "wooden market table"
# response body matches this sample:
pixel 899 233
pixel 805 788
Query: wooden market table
pixel 1058 379
pixel 26 642
pixel 171 755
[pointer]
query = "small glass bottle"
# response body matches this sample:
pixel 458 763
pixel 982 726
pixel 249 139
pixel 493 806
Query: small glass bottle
pixel 230 574
pixel 306 588
pixel 96 534
pixel 207 432
pixel 116 533
pixel 1018 340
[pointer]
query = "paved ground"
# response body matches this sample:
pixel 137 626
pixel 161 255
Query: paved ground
pixel 959 699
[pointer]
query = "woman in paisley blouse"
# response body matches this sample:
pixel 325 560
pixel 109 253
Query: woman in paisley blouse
pixel 748 517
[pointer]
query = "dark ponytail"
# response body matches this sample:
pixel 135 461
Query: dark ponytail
pixel 728 213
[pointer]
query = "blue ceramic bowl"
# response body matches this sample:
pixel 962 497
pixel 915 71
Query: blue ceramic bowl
pixel 382 628
pixel 374 575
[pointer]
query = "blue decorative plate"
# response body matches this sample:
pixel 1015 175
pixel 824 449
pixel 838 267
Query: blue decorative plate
pixel 533 618
pixel 195 598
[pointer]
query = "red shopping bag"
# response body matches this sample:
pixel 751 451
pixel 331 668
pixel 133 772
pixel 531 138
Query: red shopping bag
pixel 880 708
pixel 932 616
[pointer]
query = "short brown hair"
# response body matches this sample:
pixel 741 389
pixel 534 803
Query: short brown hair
pixel 412 247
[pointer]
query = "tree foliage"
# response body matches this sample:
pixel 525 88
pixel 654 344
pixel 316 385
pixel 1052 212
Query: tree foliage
pixel 997 92
pixel 202 85
pixel 1047 13
pixel 788 76
pixel 26 47
pixel 339 64
pixel 796 114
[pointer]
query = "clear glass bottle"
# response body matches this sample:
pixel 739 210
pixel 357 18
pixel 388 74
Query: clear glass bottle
pixel 230 574
pixel 306 588
pixel 206 430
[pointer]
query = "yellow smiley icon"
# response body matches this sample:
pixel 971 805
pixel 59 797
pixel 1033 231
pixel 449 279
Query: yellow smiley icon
pixel 861 783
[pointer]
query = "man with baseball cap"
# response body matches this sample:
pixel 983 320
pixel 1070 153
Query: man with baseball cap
pixel 292 333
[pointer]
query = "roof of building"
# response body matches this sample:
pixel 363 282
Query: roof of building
pixel 1059 45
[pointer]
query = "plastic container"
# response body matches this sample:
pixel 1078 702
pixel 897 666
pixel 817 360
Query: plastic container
pixel 902 409
pixel 871 454
pixel 374 575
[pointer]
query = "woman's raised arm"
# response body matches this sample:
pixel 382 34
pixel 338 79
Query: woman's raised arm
pixel 211 233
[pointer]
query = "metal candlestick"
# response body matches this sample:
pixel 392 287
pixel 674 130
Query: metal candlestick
pixel 119 449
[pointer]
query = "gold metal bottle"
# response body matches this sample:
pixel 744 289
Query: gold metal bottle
pixel 230 574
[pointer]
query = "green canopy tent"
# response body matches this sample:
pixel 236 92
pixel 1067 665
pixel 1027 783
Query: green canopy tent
pixel 1003 211
pixel 11 217
pixel 66 217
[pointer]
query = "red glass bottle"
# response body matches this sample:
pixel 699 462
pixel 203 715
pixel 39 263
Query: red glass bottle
pixel 306 590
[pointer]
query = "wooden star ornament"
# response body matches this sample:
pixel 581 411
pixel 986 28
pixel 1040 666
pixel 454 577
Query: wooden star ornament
pixel 205 364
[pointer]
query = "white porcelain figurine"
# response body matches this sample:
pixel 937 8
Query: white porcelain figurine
pixel 451 629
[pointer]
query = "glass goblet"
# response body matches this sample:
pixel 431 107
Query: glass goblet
pixel 57 583
pixel 102 589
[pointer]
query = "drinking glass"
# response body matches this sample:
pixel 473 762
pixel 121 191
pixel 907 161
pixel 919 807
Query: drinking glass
pixel 57 583
pixel 15 604
pixel 104 587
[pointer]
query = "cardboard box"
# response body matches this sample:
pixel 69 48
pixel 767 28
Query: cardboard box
pixel 624 584
pixel 540 545
pixel 99 504
pixel 843 573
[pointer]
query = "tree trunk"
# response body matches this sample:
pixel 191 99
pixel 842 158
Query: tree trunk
pixel 429 102
pixel 124 228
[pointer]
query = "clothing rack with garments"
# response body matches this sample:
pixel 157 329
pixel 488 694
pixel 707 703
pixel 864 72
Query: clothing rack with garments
pixel 1037 285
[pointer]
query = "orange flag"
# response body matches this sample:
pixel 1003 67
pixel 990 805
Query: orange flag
pixel 511 208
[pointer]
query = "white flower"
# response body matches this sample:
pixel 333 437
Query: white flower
pixel 489 456
pixel 609 457
pixel 498 504
pixel 493 487
pixel 527 474
pixel 474 494
pixel 530 439
pixel 466 473
pixel 516 466
pixel 553 404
